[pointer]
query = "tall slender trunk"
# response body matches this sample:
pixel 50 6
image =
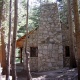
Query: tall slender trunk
pixel 14 40
pixel 1 8
pixel 27 54
pixel 77 33
pixel 3 63
pixel 9 42
pixel 71 37
pixel 2 40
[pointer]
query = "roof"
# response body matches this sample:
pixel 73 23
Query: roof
pixel 21 40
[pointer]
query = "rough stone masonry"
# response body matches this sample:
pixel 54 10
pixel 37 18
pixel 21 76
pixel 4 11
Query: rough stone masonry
pixel 48 39
pixel 50 49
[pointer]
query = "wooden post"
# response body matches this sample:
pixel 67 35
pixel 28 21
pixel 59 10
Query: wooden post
pixel 20 55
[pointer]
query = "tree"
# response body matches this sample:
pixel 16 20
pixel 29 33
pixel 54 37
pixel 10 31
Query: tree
pixel 3 63
pixel 33 22
pixel 77 33
pixel 14 41
pixel 2 39
pixel 71 36
pixel 27 54
pixel 63 11
pixel 21 31
pixel 1 8
pixel 21 18
pixel 9 46
pixel 34 17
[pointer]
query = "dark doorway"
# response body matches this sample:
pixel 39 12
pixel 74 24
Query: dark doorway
pixel 67 51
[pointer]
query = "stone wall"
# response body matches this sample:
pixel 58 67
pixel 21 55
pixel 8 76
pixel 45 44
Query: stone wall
pixel 32 42
pixel 66 42
pixel 50 49
pixel 48 39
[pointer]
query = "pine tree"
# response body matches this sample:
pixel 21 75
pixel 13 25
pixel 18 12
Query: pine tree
pixel 9 42
pixel 1 8
pixel 77 33
pixel 27 54
pixel 14 40
pixel 71 37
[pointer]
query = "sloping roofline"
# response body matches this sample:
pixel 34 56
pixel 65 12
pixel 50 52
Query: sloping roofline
pixel 20 41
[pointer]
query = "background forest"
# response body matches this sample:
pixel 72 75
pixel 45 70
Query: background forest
pixel 18 17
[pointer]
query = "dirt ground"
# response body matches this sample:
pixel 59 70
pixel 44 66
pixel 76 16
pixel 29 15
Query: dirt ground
pixel 61 74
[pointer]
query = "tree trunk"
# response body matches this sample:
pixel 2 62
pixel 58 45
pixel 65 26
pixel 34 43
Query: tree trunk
pixel 9 42
pixel 2 41
pixel 3 63
pixel 77 33
pixel 14 40
pixel 1 8
pixel 26 52
pixel 71 37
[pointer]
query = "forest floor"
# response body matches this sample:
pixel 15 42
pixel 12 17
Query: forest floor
pixel 61 74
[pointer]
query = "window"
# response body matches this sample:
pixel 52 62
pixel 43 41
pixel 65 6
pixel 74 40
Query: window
pixel 33 51
pixel 79 11
pixel 67 51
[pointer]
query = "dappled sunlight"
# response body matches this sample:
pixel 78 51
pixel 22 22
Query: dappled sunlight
pixel 59 76
pixel 71 70
pixel 46 33
pixel 40 78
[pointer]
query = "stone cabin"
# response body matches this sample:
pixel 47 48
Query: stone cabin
pixel 45 43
